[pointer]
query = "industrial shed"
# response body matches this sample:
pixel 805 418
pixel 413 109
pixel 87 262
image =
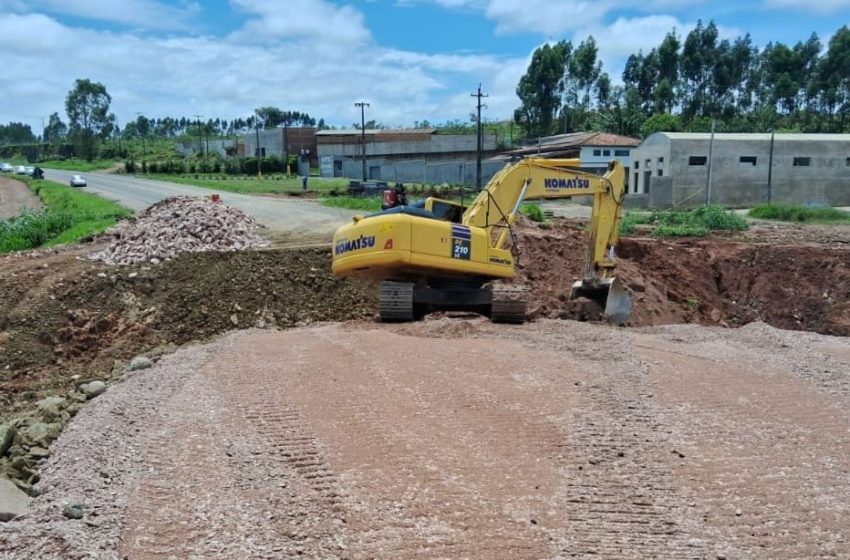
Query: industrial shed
pixel 737 169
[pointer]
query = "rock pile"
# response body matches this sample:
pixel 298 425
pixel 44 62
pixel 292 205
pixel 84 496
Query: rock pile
pixel 179 225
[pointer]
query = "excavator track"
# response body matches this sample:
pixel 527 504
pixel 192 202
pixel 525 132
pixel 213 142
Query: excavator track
pixel 509 303
pixel 395 301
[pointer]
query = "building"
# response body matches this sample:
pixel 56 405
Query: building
pixel 594 149
pixel 299 140
pixel 736 169
pixel 409 155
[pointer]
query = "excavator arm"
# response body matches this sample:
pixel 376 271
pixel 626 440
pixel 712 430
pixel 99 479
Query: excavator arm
pixel 496 207
pixel 443 257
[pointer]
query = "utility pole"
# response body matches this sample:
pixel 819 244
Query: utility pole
pixel 200 139
pixel 363 105
pixel 770 170
pixel 285 144
pixel 708 177
pixel 480 139
pixel 207 140
pixel 258 151
pixel 144 150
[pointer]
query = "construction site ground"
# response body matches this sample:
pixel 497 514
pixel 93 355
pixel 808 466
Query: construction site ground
pixel 281 420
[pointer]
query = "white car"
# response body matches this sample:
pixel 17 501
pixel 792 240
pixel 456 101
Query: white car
pixel 20 170
pixel 6 168
pixel 78 181
pixel 29 169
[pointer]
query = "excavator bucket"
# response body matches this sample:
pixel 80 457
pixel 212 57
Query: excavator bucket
pixel 609 294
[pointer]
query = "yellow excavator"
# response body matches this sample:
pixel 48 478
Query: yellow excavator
pixel 443 256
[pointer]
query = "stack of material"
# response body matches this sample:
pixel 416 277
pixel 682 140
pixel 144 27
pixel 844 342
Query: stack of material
pixel 179 225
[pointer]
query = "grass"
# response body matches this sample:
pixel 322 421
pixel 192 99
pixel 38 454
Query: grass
pixel 533 212
pixel 69 216
pixel 69 164
pixel 249 185
pixel 369 204
pixel 696 222
pixel 797 213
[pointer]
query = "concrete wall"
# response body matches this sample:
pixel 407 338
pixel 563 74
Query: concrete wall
pixel 419 171
pixel 216 147
pixel 430 144
pixel 737 183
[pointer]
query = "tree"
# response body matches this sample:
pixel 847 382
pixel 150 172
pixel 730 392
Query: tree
pixel 540 88
pixel 55 130
pixel 16 133
pixel 87 106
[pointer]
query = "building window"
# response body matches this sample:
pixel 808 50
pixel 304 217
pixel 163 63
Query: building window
pixel 848 162
pixel 637 164
pixel 697 160
pixel 637 178
pixel 597 153
pixel 661 161
pixel 625 153
pixel 660 172
pixel 802 161
pixel 606 153
pixel 748 160
pixel 648 163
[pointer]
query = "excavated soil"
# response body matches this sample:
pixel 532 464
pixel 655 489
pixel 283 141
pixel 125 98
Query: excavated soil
pixel 729 280
pixel 61 314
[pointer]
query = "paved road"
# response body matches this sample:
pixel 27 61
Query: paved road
pixel 284 215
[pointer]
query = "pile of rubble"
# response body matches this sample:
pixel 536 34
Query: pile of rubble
pixel 177 225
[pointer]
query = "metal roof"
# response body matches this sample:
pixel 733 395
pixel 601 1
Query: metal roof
pixel 357 131
pixel 573 140
pixel 778 137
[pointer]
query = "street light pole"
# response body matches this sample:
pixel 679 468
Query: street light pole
pixel 363 105
pixel 258 152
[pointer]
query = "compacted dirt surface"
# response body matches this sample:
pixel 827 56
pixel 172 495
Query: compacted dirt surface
pixel 280 420
pixel 15 198
pixel 456 438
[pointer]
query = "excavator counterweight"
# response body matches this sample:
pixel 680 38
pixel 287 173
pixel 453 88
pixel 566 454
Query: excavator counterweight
pixel 444 256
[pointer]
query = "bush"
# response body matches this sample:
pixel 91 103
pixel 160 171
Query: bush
pixel 130 166
pixel 696 222
pixel 796 213
pixel 533 212
pixel 32 229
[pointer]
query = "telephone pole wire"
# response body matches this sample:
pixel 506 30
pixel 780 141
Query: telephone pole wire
pixel 480 138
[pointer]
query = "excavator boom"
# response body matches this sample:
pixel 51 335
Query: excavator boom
pixel 441 256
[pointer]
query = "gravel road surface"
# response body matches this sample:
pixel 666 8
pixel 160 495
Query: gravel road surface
pixel 291 215
pixel 15 197
pixel 457 438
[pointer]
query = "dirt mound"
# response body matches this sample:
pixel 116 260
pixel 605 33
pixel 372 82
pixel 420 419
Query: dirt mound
pixel 82 322
pixel 181 224
pixel 710 281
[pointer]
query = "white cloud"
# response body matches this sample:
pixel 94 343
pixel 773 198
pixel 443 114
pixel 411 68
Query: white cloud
pixel 545 16
pixel 139 13
pixel 314 19
pixel 818 6
pixel 183 75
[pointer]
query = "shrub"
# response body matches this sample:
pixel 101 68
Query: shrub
pixel 680 230
pixel 533 212
pixel 796 213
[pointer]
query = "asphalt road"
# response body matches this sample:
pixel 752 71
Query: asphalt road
pixel 280 214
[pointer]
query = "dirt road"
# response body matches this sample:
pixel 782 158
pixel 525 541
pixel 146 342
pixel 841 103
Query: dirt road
pixel 456 438
pixel 15 197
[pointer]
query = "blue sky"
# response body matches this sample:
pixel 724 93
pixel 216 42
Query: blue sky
pixel 410 59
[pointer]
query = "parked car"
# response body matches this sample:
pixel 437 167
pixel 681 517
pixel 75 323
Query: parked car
pixel 29 169
pixel 6 168
pixel 20 170
pixel 78 181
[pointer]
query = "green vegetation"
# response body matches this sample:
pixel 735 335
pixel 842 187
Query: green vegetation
pixel 695 222
pixel 796 213
pixel 533 212
pixel 69 216
pixel 244 184
pixel 368 204
pixel 71 164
